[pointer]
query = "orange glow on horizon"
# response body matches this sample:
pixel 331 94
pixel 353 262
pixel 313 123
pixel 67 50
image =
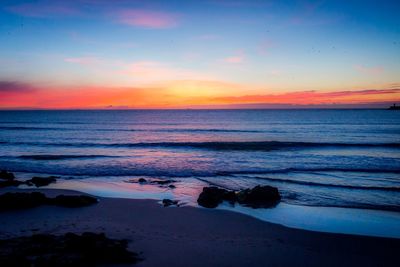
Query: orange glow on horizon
pixel 181 94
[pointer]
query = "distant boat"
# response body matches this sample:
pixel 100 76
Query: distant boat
pixel 394 107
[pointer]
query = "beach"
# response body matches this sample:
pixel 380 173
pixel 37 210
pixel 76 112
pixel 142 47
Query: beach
pixel 187 236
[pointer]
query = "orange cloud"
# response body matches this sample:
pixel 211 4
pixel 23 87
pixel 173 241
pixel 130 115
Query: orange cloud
pixel 314 97
pixel 177 94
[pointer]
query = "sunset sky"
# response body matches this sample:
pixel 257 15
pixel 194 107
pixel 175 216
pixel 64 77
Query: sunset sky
pixel 199 54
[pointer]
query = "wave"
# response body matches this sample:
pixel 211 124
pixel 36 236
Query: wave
pixel 311 170
pixel 28 128
pixel 345 186
pixel 183 130
pixel 229 146
pixel 62 157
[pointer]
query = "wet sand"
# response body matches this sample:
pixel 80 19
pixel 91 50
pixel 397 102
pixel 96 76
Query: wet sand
pixel 187 236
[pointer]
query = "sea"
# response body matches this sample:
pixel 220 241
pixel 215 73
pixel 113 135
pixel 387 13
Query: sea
pixel 319 159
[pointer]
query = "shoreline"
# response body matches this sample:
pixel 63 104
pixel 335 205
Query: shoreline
pixel 340 220
pixel 188 236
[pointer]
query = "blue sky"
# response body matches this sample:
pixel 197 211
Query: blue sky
pixel 246 47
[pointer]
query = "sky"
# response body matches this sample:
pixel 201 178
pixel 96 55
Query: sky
pixel 199 54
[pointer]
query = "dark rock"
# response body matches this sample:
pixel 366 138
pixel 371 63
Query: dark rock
pixel 20 200
pixel 212 196
pixel 15 201
pixel 73 201
pixel 162 182
pixel 168 202
pixel 41 181
pixel 10 183
pixel 230 196
pixel 172 186
pixel 88 249
pixel 142 180
pixel 259 196
pixel 5 175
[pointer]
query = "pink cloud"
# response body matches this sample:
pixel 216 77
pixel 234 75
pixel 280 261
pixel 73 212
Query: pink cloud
pixel 369 71
pixel 147 19
pixel 235 59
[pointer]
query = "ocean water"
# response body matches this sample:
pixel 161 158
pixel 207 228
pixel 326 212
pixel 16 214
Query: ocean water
pixel 318 158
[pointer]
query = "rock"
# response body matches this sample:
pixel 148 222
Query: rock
pixel 168 202
pixel 41 181
pixel 69 250
pixel 15 201
pixel 259 196
pixel 212 196
pixel 162 182
pixel 5 175
pixel 10 183
pixel 142 180
pixel 172 186
pixel 19 200
pixel 73 201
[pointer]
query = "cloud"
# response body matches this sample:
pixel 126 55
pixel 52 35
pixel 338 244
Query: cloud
pixel 315 97
pixel 147 18
pixel 14 87
pixel 369 70
pixel 235 59
pixel 180 94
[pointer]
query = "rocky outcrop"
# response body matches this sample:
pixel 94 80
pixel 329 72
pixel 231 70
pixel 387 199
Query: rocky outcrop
pixel 168 202
pixel 41 181
pixel 69 250
pixel 5 175
pixel 16 201
pixel 8 179
pixel 212 196
pixel 257 197
pixel 22 200
pixel 73 201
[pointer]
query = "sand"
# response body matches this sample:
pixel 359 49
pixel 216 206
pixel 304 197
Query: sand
pixel 188 236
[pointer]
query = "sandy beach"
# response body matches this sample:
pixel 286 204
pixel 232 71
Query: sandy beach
pixel 186 236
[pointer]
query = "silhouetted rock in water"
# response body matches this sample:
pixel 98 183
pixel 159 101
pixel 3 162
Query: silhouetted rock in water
pixel 5 175
pixel 162 182
pixel 20 200
pixel 172 186
pixel 212 196
pixel 41 181
pixel 168 202
pixel 151 181
pixel 142 180
pixel 259 196
pixel 69 250
pixel 74 201
pixel 15 201
pixel 7 183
